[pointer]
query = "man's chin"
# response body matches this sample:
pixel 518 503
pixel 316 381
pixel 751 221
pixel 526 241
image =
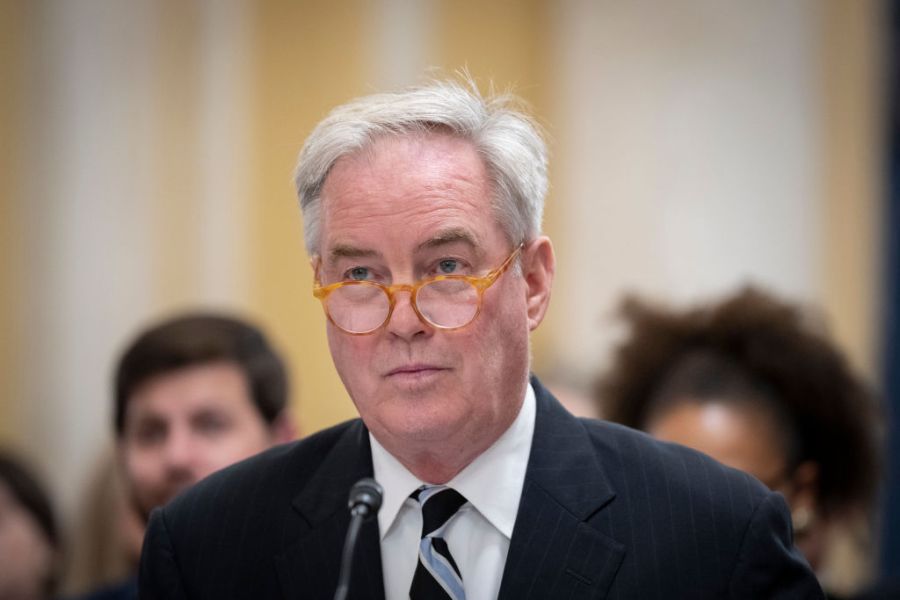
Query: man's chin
pixel 143 511
pixel 146 505
pixel 428 426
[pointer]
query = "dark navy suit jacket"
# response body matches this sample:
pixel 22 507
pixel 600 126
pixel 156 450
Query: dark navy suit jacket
pixel 606 512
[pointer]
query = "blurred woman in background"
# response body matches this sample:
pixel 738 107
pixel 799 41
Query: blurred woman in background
pixel 753 383
pixel 29 539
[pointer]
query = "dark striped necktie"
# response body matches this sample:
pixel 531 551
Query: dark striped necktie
pixel 437 577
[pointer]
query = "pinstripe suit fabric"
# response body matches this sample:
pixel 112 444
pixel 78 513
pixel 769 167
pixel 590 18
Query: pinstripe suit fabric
pixel 606 512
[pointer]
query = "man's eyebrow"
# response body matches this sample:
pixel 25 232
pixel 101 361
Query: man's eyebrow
pixel 450 236
pixel 148 419
pixel 347 251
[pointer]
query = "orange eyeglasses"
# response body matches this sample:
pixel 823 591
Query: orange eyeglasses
pixel 445 301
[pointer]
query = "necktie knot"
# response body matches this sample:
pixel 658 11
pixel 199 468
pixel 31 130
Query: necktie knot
pixel 439 504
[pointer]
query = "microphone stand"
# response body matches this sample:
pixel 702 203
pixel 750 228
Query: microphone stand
pixel 365 500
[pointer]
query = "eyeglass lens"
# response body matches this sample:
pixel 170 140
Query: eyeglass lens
pixel 363 308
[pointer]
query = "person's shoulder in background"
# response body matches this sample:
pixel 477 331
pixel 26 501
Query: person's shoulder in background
pixel 886 589
pixel 123 590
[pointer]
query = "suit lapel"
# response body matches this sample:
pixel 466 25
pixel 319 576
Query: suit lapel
pixel 555 552
pixel 309 567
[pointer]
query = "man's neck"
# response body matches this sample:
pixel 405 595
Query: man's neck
pixel 439 462
pixel 437 465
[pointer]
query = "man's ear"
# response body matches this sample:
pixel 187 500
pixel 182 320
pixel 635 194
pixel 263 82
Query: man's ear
pixel 538 268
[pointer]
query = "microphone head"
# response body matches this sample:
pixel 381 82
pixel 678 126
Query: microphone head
pixel 365 497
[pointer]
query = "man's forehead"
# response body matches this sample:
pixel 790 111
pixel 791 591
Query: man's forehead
pixel 408 194
pixel 450 236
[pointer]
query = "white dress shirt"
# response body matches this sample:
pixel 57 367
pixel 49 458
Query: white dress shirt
pixel 478 536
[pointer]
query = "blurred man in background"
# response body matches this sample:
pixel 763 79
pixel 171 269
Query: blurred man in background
pixel 193 395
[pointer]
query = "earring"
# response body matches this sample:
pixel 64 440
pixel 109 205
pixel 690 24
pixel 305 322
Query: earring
pixel 802 518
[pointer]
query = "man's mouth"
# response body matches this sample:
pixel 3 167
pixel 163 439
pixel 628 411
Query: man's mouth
pixel 415 370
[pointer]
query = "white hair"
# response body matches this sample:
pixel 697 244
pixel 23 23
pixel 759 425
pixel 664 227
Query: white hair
pixel 507 139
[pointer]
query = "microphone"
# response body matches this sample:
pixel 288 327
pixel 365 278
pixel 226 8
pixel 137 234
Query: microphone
pixel 365 500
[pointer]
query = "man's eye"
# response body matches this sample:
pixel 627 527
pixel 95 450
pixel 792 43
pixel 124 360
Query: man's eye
pixel 358 273
pixel 210 424
pixel 147 434
pixel 448 266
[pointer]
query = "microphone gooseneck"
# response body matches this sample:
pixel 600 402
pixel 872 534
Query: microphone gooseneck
pixel 364 502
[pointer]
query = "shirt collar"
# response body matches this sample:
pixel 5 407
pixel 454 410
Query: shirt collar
pixel 396 481
pixel 492 483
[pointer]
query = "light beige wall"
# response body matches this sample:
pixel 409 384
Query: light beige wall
pixel 688 158
pixel 705 145
pixel 853 124
pixel 13 64
pixel 110 206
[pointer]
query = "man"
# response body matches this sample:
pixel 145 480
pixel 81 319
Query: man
pixel 193 394
pixel 422 216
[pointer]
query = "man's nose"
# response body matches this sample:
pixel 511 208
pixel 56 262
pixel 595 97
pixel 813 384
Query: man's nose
pixel 180 454
pixel 404 322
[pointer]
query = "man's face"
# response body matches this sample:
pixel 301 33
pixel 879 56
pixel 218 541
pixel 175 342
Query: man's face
pixel 402 210
pixel 183 425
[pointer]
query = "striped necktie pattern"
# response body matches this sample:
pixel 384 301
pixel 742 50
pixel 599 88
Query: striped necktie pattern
pixel 436 577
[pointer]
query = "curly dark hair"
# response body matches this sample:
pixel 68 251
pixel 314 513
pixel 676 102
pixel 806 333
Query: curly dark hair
pixel 752 347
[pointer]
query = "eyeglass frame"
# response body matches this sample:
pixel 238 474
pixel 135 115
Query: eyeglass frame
pixel 481 284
